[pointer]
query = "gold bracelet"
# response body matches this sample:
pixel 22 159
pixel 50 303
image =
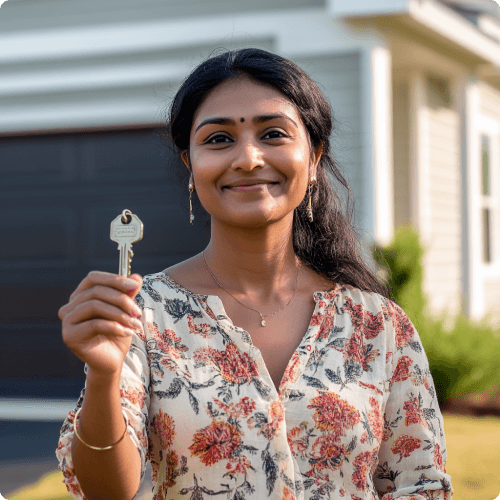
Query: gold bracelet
pixel 96 447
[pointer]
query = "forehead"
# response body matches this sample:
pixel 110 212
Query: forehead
pixel 244 97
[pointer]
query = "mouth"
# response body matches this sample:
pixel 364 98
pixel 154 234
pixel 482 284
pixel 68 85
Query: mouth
pixel 250 185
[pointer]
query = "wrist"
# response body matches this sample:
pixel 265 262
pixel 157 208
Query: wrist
pixel 103 380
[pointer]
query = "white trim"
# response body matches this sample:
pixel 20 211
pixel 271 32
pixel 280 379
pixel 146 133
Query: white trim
pixel 455 28
pixel 377 142
pixel 426 15
pixel 35 410
pixel 351 8
pixel 319 34
pixel 471 168
pixel 74 78
pixel 419 157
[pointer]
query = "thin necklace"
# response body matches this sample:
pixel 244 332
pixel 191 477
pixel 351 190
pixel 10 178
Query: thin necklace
pixel 262 316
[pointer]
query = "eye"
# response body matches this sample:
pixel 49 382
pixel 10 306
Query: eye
pixel 274 134
pixel 218 139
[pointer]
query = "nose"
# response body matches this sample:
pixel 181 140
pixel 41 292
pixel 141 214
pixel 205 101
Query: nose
pixel 248 155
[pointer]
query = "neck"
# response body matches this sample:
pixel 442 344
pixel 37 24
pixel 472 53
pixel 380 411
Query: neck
pixel 253 260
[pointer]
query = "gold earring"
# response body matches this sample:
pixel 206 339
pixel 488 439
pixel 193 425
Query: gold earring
pixel 309 210
pixel 191 189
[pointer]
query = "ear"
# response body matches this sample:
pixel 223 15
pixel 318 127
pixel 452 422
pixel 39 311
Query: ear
pixel 315 158
pixel 185 159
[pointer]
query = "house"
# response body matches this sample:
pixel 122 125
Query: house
pixel 414 85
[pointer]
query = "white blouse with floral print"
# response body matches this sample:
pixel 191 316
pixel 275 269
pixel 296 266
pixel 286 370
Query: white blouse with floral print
pixel 355 417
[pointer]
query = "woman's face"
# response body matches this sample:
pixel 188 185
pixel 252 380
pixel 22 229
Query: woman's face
pixel 250 155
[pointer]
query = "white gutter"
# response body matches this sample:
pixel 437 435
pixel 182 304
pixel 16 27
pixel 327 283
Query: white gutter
pixel 35 409
pixel 451 25
pixel 428 16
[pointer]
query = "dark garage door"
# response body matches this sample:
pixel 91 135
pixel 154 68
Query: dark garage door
pixel 58 195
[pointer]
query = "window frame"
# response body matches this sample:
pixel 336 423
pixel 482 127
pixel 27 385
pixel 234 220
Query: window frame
pixel 490 128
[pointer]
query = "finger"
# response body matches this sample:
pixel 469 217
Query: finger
pixel 105 294
pixel 97 309
pixel 84 332
pixel 111 280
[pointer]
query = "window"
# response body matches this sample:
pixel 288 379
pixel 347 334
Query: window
pixel 486 194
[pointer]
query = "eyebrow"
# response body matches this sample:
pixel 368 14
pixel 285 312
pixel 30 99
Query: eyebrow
pixel 219 120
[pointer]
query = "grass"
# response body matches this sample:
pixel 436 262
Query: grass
pixel 473 445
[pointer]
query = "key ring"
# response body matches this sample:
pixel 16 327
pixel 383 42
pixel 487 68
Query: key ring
pixel 126 216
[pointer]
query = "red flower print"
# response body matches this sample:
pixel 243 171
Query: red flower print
pixel 297 439
pixel 375 421
pixel 402 325
pixel 163 427
pixel 235 367
pixel 171 463
pixel 333 414
pixel 356 312
pixel 136 397
pixel 202 329
pixel 238 465
pixel 402 371
pixel 373 325
pixel 405 445
pixel 204 304
pixel 414 414
pixel 316 319
pixel 388 355
pixel 276 415
pixel 371 387
pixel 142 437
pixel 326 320
pixel 216 442
pixel 167 341
pixel 327 453
pixel 292 371
pixel 287 494
pixel 354 348
pixel 237 409
pixel 362 465
pixel 438 458
pixel 355 351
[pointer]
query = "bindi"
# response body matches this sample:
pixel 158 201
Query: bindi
pixel 242 120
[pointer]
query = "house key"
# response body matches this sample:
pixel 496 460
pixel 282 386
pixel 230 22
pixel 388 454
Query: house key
pixel 126 230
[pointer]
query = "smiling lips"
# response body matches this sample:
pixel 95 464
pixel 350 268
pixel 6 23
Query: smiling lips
pixel 249 184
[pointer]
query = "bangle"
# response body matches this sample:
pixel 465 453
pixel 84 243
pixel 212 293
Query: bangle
pixel 96 447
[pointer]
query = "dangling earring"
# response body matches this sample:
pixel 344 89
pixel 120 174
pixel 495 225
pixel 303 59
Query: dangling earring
pixel 191 189
pixel 309 209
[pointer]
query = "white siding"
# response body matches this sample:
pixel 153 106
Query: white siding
pixel 401 137
pixel 46 14
pixel 443 276
pixel 338 77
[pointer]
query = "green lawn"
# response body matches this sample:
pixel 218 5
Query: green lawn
pixel 473 462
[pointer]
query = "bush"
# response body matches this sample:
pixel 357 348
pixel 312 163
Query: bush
pixel 463 358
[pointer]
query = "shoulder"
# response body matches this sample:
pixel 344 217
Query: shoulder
pixel 160 287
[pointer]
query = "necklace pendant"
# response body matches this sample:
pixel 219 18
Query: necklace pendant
pixel 263 322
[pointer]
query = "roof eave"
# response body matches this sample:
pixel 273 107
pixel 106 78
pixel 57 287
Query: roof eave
pixel 429 19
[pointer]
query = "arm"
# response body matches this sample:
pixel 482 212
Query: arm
pixel 114 389
pixel 412 454
pixel 114 473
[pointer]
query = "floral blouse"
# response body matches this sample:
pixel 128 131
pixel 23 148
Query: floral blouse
pixel 355 417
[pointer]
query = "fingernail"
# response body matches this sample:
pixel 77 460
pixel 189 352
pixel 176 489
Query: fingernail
pixel 130 284
pixel 137 311
pixel 137 324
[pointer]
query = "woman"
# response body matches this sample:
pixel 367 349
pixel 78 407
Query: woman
pixel 272 365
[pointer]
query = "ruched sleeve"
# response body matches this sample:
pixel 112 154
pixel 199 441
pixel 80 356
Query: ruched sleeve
pixel 412 454
pixel 134 384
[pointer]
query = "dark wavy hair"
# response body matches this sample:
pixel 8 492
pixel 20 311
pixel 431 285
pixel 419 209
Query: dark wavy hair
pixel 329 244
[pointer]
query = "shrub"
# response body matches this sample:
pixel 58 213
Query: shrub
pixel 463 358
